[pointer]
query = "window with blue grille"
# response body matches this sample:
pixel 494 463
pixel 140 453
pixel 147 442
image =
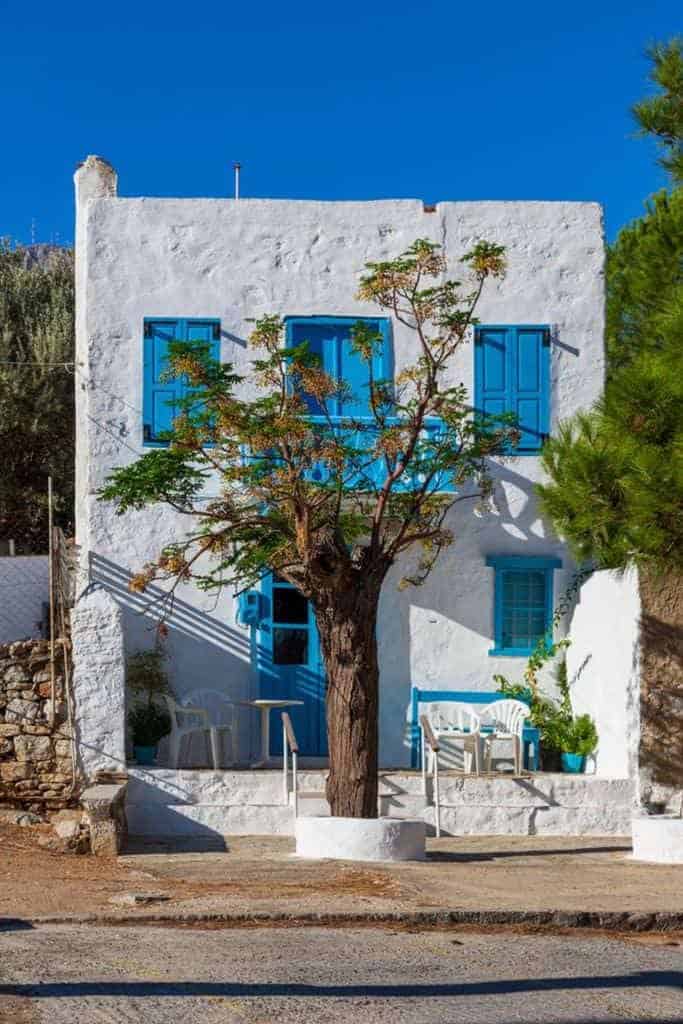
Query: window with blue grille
pixel 160 397
pixel 523 603
pixel 329 338
pixel 512 375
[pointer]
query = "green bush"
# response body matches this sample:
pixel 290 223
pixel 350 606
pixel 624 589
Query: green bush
pixel 148 724
pixel 578 736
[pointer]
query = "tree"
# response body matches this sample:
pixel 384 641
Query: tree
pixel 329 506
pixel 36 392
pixel 615 487
pixel 661 115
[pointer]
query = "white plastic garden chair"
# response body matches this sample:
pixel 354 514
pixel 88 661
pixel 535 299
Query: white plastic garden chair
pixel 222 715
pixel 507 719
pixel 451 720
pixel 188 721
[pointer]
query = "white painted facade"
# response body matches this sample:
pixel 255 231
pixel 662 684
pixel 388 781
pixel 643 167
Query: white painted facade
pixel 237 260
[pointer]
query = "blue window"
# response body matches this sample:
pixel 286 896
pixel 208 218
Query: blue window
pixel 329 338
pixel 160 397
pixel 523 602
pixel 512 374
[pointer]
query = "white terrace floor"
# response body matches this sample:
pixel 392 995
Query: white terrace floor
pixel 206 804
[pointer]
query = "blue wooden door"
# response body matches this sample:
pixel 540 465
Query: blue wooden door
pixel 290 666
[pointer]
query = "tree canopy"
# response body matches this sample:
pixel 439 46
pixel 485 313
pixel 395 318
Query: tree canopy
pixel 615 487
pixel 36 393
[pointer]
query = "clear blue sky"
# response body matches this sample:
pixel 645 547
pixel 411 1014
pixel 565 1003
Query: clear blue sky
pixel 438 99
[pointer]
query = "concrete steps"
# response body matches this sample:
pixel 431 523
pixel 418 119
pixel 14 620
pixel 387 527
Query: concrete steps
pixel 164 802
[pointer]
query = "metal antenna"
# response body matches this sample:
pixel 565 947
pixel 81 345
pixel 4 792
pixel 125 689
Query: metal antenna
pixel 237 168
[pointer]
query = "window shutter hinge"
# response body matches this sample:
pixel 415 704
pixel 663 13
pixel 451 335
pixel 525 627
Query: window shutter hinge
pixel 216 332
pixel 146 432
pixel 546 336
pixel 148 329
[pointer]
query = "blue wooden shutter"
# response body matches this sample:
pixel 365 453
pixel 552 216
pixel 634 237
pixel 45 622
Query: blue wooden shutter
pixel 321 336
pixel 160 397
pixel 512 374
pixel 530 361
pixel 203 332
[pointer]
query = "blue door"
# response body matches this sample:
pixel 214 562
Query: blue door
pixel 290 666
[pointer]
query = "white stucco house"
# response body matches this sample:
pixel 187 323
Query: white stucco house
pixel 148 269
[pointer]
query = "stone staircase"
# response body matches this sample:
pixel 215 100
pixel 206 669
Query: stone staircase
pixel 166 802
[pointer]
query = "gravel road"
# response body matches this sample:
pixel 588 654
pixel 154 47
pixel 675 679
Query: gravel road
pixel 54 974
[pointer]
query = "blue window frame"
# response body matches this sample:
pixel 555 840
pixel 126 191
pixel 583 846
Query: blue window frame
pixel 512 374
pixel 329 337
pixel 523 603
pixel 160 397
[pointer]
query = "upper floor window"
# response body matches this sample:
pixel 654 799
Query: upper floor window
pixel 160 397
pixel 329 338
pixel 512 374
pixel 523 602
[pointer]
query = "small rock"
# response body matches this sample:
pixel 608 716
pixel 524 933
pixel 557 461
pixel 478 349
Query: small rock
pixel 29 819
pixel 66 829
pixel 139 899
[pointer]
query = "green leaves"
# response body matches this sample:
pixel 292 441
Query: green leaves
pixel 164 474
pixel 661 115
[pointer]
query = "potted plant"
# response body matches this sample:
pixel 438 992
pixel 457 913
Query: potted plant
pixel 577 739
pixel 149 722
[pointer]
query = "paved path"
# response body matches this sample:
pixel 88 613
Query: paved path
pixel 56 974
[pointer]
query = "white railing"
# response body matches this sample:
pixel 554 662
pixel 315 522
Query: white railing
pixel 289 744
pixel 429 740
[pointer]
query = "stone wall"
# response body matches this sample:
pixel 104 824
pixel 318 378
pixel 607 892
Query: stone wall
pixel 661 689
pixel 35 757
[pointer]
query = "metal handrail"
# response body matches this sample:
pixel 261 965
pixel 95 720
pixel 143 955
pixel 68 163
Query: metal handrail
pixel 429 738
pixel 289 743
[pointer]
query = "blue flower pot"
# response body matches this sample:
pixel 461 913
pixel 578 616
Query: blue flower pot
pixel 575 764
pixel 145 755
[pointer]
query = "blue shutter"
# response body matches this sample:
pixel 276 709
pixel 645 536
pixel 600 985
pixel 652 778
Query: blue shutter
pixel 321 336
pixel 203 332
pixel 160 397
pixel 512 374
pixel 530 385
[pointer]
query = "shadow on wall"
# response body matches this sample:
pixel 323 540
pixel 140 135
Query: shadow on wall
pixel 661 698
pixel 451 646
pixel 204 650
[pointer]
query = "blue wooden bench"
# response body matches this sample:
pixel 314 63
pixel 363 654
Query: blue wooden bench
pixel 530 735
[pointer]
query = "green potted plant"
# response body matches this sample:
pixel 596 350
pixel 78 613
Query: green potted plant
pixel 149 722
pixel 577 739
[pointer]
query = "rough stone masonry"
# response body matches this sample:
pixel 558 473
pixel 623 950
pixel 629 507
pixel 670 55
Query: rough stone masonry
pixel 36 768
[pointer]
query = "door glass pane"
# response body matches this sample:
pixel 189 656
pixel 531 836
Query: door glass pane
pixel 290 646
pixel 289 605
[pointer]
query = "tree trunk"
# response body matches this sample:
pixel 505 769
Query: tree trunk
pixel 347 625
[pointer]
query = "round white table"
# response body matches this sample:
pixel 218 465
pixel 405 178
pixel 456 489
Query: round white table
pixel 265 706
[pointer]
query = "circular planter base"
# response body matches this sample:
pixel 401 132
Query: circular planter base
pixel 360 838
pixel 658 838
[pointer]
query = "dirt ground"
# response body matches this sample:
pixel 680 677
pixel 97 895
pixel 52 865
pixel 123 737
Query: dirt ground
pixel 260 874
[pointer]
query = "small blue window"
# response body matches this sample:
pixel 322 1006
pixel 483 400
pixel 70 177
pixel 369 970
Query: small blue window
pixel 329 338
pixel 523 603
pixel 160 396
pixel 512 374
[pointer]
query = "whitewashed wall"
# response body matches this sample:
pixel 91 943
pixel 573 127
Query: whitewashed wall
pixel 241 259
pixel 23 594
pixel 604 670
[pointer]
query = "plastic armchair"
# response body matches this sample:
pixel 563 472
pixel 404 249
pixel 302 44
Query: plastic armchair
pixel 222 719
pixel 506 718
pixel 454 721
pixel 187 720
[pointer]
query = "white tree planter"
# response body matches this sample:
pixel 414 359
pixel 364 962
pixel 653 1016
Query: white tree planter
pixel 360 838
pixel 658 838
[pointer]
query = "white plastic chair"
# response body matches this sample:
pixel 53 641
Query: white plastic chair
pixel 507 718
pixel 222 714
pixel 452 720
pixel 188 721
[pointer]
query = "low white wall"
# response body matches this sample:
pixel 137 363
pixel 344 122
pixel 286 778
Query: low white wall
pixel 603 667
pixel 23 593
